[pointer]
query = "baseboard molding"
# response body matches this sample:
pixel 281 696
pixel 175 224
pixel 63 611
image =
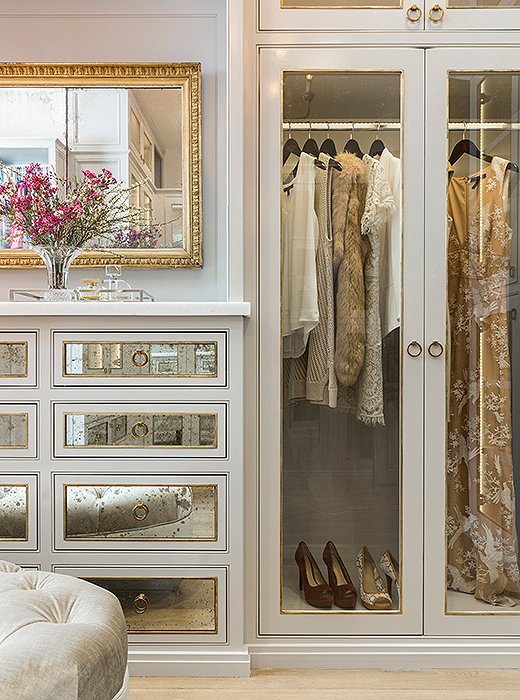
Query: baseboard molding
pixel 175 662
pixel 390 653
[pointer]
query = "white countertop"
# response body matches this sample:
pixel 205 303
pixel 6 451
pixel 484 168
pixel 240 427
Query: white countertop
pixel 140 308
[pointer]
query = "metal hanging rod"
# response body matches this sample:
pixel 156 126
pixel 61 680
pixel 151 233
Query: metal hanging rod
pixel 484 126
pixel 341 126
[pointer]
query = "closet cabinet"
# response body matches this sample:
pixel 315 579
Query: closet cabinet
pixel 447 454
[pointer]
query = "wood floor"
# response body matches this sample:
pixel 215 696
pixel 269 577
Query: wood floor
pixel 460 684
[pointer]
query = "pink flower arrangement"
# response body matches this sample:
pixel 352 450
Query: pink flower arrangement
pixel 44 210
pixel 144 237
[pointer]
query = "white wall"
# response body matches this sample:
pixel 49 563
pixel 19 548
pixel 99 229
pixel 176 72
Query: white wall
pixel 132 31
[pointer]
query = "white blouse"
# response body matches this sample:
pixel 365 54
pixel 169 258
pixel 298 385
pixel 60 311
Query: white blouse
pixel 390 274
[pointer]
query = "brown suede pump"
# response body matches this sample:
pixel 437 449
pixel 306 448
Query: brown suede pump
pixel 343 589
pixel 316 590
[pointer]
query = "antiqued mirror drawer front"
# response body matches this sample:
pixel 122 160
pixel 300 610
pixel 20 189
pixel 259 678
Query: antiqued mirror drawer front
pixel 17 430
pixel 18 511
pixel 190 430
pixel 17 359
pixel 168 605
pixel 156 512
pixel 134 359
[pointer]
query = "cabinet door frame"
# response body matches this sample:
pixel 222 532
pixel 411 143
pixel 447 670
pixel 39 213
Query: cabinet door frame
pixel 439 62
pixel 272 62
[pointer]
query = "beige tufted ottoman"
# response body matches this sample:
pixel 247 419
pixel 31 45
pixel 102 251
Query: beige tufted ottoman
pixel 60 638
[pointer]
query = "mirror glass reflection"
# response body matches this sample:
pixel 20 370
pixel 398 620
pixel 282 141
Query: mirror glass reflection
pixel 13 512
pixel 13 430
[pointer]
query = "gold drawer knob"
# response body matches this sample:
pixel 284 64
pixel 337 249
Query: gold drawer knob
pixel 140 511
pixel 141 604
pixel 414 13
pixel 140 358
pixel 436 13
pixel 414 349
pixel 139 430
pixel 435 349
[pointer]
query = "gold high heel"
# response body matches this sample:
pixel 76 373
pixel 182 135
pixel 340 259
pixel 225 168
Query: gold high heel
pixel 390 567
pixel 372 590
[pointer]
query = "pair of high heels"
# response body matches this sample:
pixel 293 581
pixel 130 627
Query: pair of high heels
pixel 317 592
pixel 374 594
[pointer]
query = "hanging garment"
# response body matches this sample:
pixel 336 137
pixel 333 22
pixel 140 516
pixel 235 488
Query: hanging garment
pixel 349 188
pixel 299 240
pixel 481 531
pixel 365 398
pixel 390 256
pixel 312 376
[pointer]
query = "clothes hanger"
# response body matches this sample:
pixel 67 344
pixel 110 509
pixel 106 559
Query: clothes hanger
pixel 469 147
pixel 290 146
pixel 377 146
pixel 328 146
pixel 352 146
pixel 310 146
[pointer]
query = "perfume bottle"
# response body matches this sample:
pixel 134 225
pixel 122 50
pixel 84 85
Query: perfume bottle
pixel 115 284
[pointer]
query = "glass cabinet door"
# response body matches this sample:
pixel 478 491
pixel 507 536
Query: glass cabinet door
pixel 342 15
pixel 468 15
pixel 341 341
pixel 473 358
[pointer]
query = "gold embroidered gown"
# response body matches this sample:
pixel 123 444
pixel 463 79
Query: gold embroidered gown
pixel 481 530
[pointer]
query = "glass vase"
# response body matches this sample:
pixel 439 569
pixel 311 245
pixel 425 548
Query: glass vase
pixel 58 260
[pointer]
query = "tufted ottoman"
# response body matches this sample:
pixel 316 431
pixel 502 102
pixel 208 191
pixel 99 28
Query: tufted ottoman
pixel 60 638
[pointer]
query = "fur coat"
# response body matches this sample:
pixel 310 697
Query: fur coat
pixel 350 248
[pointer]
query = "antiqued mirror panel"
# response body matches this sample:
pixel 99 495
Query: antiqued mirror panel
pixel 14 430
pixel 140 122
pixel 341 252
pixel 168 605
pixel 160 430
pixel 483 358
pixel 14 511
pixel 134 359
pixel 141 512
pixel 13 359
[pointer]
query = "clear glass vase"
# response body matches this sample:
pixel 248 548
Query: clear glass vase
pixel 58 260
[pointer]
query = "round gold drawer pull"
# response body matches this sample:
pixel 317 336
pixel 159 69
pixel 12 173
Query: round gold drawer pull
pixel 414 13
pixel 139 430
pixel 414 349
pixel 140 358
pixel 140 511
pixel 435 349
pixel 436 13
pixel 141 604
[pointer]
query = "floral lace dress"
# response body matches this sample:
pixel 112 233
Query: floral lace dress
pixel 482 538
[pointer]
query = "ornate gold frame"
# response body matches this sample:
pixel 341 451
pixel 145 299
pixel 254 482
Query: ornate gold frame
pixel 184 75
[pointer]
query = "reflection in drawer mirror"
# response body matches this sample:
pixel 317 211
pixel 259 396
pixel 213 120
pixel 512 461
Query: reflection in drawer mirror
pixel 13 359
pixel 14 430
pixel 141 430
pixel 141 512
pixel 177 359
pixel 175 605
pixel 13 512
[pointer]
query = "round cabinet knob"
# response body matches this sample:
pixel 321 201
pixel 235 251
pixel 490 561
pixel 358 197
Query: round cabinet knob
pixel 414 349
pixel 436 13
pixel 140 511
pixel 435 349
pixel 413 13
pixel 139 430
pixel 141 604
pixel 140 358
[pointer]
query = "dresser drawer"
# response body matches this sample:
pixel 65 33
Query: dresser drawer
pixel 132 512
pixel 18 511
pixel 140 359
pixel 18 430
pixel 188 603
pixel 138 430
pixel 18 364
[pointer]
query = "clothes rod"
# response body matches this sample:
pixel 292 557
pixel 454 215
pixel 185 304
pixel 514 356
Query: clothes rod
pixel 341 126
pixel 484 126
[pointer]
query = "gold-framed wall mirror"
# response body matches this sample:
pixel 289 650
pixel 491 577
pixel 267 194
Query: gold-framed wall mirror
pixel 140 121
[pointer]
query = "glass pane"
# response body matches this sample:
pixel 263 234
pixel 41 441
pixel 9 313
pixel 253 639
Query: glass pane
pixel 148 152
pixel 483 370
pixel 13 512
pixel 140 430
pixel 13 430
pixel 188 359
pixel 13 359
pixel 173 605
pixel 341 310
pixel 353 4
pixel 125 512
pixel 483 3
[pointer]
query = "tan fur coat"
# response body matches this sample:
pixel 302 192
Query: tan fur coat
pixel 349 188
